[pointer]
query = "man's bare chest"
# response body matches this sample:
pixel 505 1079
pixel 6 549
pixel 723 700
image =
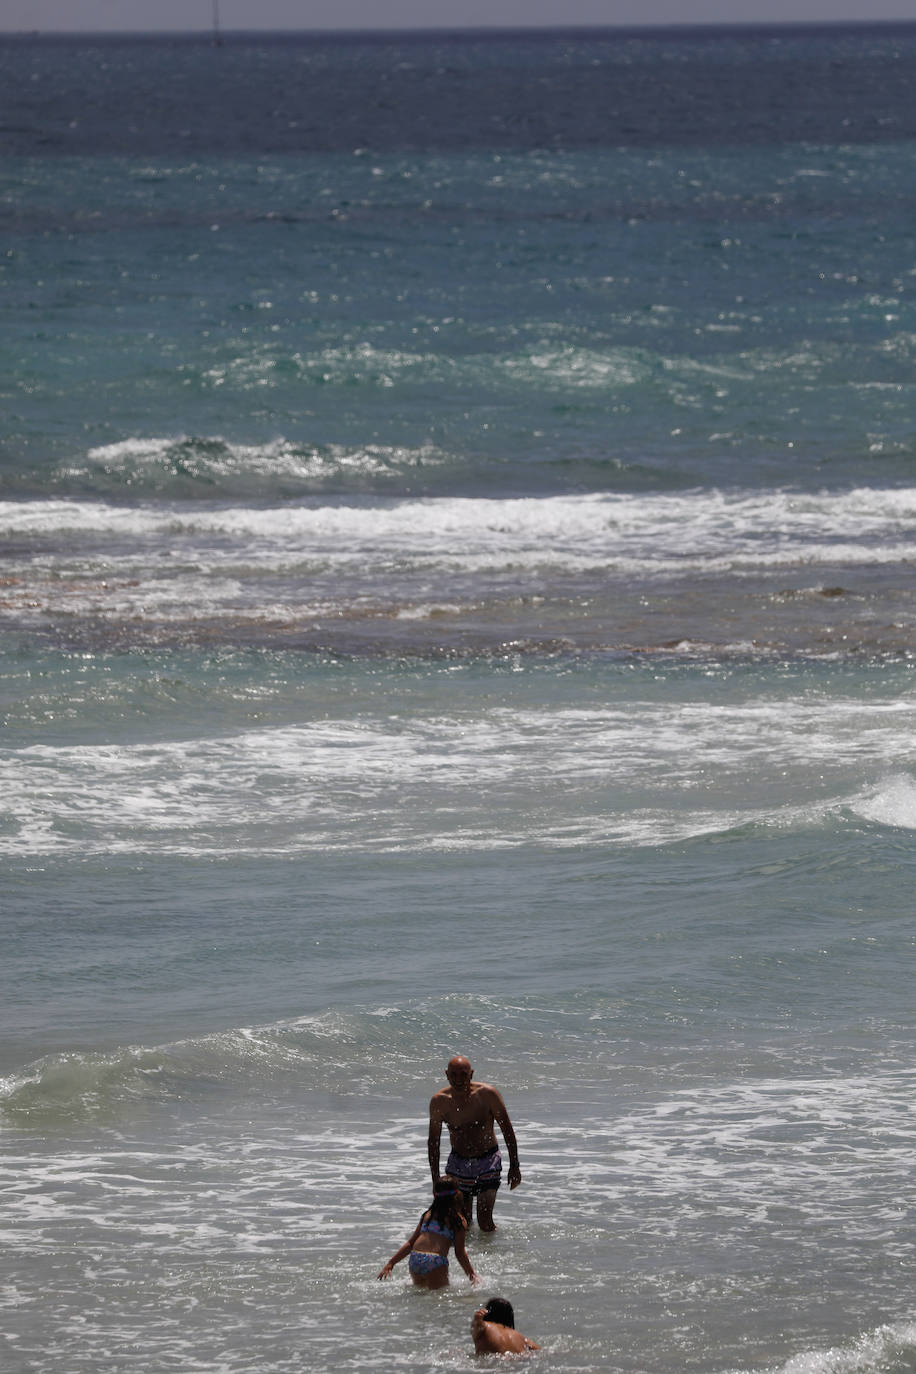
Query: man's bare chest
pixel 475 1111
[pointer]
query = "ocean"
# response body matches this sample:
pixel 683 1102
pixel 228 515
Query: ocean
pixel 458 517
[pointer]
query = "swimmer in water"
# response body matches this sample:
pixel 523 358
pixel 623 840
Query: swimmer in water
pixel 493 1331
pixel 441 1226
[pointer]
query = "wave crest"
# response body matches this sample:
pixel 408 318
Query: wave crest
pixel 889 1348
pixel 201 466
pixel 329 1051
pixel 892 802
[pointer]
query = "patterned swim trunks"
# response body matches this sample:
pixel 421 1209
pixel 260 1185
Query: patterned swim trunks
pixel 479 1174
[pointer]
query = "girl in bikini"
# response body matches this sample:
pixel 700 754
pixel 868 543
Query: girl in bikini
pixel 441 1226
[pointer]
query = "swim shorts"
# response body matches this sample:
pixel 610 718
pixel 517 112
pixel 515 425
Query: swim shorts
pixel 479 1174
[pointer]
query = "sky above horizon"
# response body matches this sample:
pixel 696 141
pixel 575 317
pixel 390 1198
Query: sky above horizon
pixel 176 15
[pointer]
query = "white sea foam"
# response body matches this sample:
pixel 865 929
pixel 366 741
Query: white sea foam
pixel 777 1136
pixel 640 773
pixel 665 534
pixel 890 1347
pixel 235 467
pixel 891 802
pixel 304 566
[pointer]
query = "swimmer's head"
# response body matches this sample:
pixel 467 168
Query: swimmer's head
pixel 448 1204
pixel 500 1310
pixel 459 1072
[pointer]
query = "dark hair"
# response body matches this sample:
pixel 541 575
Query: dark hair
pixel 500 1310
pixel 448 1206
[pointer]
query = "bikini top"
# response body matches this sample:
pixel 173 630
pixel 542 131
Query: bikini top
pixel 433 1225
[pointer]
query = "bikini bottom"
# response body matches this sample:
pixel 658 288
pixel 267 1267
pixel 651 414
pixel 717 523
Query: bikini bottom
pixel 420 1263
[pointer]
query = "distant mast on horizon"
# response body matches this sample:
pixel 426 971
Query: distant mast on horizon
pixel 217 36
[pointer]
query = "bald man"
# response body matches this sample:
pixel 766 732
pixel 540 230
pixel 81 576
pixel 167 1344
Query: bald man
pixel 470 1111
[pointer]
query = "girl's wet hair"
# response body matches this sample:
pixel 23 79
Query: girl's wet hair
pixel 448 1207
pixel 500 1310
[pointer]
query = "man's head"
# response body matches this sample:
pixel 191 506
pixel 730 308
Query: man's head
pixel 459 1072
pixel 500 1310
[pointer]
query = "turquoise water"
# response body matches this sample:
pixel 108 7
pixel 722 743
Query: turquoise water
pixel 457 518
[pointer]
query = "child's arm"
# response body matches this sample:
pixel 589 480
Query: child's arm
pixel 461 1255
pixel 402 1253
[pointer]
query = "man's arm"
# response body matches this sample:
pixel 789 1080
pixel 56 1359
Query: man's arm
pixel 435 1135
pixel 501 1116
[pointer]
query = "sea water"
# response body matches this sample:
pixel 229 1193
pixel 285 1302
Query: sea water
pixel 457 501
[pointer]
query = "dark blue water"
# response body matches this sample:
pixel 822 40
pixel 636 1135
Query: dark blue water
pixel 461 92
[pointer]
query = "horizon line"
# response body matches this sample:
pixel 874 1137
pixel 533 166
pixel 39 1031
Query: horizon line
pixel 645 26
